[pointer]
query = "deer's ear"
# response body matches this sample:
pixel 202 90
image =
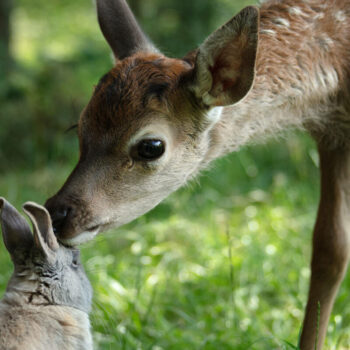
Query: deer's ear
pixel 44 238
pixel 120 28
pixel 225 62
pixel 16 232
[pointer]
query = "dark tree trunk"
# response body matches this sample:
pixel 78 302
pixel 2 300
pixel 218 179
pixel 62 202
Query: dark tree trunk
pixel 5 35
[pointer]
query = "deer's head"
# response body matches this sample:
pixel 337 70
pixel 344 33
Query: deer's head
pixel 146 129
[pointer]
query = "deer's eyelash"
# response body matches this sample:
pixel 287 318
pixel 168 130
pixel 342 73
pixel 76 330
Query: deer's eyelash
pixel 72 127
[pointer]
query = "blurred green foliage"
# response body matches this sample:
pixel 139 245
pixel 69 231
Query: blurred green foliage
pixel 59 54
pixel 223 263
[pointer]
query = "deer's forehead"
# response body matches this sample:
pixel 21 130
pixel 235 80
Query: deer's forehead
pixel 132 89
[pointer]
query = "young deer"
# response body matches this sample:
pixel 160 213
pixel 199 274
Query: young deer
pixel 48 298
pixel 154 122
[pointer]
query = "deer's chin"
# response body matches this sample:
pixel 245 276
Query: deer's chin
pixel 72 237
pixel 81 238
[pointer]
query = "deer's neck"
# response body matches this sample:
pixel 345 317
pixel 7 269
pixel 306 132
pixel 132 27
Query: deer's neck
pixel 302 65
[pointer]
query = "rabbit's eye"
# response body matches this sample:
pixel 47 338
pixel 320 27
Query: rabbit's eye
pixel 76 258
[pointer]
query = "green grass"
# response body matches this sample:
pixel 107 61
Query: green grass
pixel 221 264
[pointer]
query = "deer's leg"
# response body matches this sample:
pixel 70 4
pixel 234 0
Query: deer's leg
pixel 331 242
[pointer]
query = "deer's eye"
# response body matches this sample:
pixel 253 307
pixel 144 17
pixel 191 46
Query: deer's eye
pixel 149 149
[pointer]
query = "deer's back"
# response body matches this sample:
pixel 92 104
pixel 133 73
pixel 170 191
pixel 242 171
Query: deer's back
pixel 304 62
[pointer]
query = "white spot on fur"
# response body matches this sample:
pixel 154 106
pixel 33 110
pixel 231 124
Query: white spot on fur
pixel 328 40
pixel 268 32
pixel 80 239
pixel 214 114
pixel 208 99
pixel 319 16
pixel 281 22
pixel 340 16
pixel 295 11
pixel 325 80
pixel 325 42
pixel 331 78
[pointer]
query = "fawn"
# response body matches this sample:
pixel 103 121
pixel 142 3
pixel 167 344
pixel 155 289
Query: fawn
pixel 48 298
pixel 154 122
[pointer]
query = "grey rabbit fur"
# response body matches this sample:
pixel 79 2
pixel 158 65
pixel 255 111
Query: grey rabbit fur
pixel 48 298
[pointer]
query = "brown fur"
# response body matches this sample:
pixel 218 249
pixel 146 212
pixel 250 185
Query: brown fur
pixel 135 88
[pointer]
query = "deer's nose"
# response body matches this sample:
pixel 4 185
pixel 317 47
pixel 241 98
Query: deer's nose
pixel 58 215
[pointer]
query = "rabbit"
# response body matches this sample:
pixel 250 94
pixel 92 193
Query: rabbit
pixel 48 298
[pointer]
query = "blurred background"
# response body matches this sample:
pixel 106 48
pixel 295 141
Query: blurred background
pixel 222 263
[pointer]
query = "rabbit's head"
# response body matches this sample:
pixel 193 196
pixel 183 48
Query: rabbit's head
pixel 45 271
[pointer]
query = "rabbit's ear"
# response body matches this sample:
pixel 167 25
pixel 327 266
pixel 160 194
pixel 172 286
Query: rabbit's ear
pixel 15 229
pixel 44 238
